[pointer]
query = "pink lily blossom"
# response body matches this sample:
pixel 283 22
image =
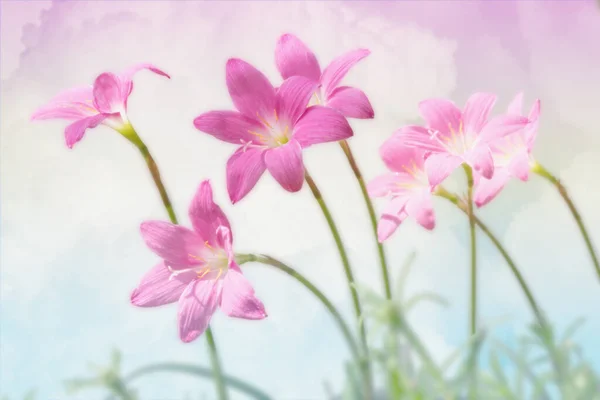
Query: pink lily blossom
pixel 104 102
pixel 198 269
pixel 294 58
pixel 272 126
pixel 512 154
pixel 453 137
pixel 407 186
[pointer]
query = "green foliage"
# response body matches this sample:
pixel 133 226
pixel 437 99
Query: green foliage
pixel 542 365
pixel 108 377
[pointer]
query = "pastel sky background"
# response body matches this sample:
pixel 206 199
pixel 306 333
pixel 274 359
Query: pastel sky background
pixel 70 248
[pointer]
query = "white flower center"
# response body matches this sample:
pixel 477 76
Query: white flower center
pixel 274 133
pixel 458 142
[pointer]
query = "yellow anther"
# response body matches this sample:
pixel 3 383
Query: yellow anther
pixel 219 274
pixel 276 117
pixel 261 137
pixel 207 245
pixel 460 127
pixel 317 98
pixel 196 257
pixel 203 274
pixel 409 170
pixel 263 121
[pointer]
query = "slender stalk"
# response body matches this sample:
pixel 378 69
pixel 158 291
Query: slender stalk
pixel 363 188
pixel 203 372
pixel 380 250
pixel 349 276
pixel 539 314
pixel 471 215
pixel 267 260
pixel 130 134
pixel 543 172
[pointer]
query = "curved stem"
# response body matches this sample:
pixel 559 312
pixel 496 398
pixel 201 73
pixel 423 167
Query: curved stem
pixel 264 259
pixel 348 270
pixel 513 267
pixel 230 381
pixel 543 172
pixel 363 188
pixel 471 215
pixel 130 134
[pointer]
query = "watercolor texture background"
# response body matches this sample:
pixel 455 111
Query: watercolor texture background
pixel 70 248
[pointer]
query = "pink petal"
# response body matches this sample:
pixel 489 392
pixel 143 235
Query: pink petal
pixel 351 102
pixel 74 132
pixel 127 78
pixel 424 139
pixel 382 185
pixel 244 168
pixel 294 58
pixel 158 287
pixel 206 216
pixel 251 91
pixel 487 189
pixel 238 299
pixel 534 113
pixel 477 111
pixel 391 182
pixel 531 130
pixel 398 156
pixel 321 124
pixel 175 244
pixel 293 96
pixel 440 114
pixel 74 103
pixel 481 160
pixel 228 126
pixel 420 207
pixel 108 96
pixel 127 75
pixel 519 165
pixel 339 67
pixel 285 164
pixel 516 105
pixel 197 305
pixel 392 216
pixel 501 126
pixel 439 166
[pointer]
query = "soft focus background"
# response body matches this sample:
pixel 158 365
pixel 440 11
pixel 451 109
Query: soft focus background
pixel 70 248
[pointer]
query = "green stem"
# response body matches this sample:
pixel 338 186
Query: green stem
pixel 363 188
pixel 473 319
pixel 539 314
pixel 380 250
pixel 264 259
pixel 130 134
pixel 543 172
pixel 349 276
pixel 230 381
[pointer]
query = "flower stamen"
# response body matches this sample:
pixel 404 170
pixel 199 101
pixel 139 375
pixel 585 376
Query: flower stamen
pixel 263 121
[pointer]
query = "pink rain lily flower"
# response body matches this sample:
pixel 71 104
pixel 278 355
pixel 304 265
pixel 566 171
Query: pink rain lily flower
pixel 272 126
pixel 407 186
pixel 105 102
pixel 198 269
pixel 512 154
pixel 294 58
pixel 453 137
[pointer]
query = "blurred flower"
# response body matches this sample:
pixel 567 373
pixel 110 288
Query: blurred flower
pixel 103 103
pixel 453 137
pixel 272 125
pixel 512 154
pixel 407 186
pixel 199 269
pixel 294 58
